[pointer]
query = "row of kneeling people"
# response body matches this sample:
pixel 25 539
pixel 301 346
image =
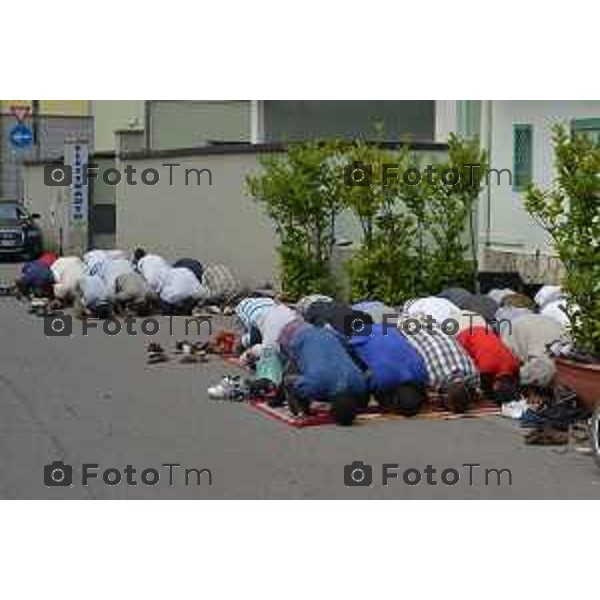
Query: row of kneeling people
pixel 346 355
pixel 105 282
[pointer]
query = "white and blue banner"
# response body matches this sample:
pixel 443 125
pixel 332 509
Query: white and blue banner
pixel 76 156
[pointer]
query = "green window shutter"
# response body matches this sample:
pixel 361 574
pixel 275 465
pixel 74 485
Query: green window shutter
pixel 589 128
pixel 522 156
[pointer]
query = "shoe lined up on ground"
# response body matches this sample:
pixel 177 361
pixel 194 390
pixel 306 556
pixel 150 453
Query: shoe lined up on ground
pixel 156 353
pixel 229 388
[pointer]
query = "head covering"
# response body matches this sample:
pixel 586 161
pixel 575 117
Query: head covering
pixel 305 302
pixel 518 301
pixel 458 296
pixel 498 294
pixel 483 305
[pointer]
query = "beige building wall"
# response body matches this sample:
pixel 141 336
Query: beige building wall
pixel 113 115
pixel 178 124
pixel 215 224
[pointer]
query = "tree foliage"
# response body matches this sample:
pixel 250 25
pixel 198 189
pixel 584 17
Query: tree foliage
pixel 570 212
pixel 414 236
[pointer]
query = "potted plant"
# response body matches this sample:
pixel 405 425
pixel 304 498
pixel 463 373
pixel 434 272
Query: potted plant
pixel 570 213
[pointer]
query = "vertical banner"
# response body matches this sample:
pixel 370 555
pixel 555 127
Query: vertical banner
pixel 76 156
pixel 76 196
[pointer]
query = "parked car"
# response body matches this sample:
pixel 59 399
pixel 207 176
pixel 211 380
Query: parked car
pixel 20 237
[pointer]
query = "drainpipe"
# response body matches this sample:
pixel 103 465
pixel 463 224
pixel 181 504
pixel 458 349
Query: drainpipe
pixel 35 111
pixel 486 115
pixel 147 124
pixel 256 121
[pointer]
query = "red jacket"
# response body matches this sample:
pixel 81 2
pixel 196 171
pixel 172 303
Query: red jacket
pixel 489 353
pixel 47 258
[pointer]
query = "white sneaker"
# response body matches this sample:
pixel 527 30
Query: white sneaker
pixel 515 409
pixel 228 389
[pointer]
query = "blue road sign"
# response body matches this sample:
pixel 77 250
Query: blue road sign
pixel 21 136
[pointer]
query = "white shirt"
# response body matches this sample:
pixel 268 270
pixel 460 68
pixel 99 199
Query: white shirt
pixel 67 272
pixel 94 260
pixel 181 284
pixel 93 290
pixel 439 308
pixel 272 322
pixel 555 310
pixel 111 269
pixel 154 269
pixel 548 294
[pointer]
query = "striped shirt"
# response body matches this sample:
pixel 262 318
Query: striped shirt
pixel 444 357
pixel 249 309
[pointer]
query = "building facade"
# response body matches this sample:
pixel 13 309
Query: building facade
pixel 49 123
pixel 517 135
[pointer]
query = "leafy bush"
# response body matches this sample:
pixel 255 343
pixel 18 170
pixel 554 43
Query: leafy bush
pixel 301 193
pixel 383 267
pixel 413 236
pixel 570 213
pixel 449 215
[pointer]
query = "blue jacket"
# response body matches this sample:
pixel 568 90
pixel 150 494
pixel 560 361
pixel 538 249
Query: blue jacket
pixel 323 365
pixel 36 274
pixel 390 358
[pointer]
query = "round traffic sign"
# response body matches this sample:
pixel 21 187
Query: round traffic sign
pixel 21 136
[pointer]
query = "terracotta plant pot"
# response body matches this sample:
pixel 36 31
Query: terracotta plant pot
pixel 583 378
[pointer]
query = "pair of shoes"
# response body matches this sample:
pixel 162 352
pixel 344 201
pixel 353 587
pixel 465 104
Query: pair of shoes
pixel 547 436
pixel 156 354
pixel 515 409
pixel 37 304
pixel 229 388
pixel 191 353
pixel 179 344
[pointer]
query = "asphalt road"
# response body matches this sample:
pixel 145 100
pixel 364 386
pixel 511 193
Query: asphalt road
pixel 92 399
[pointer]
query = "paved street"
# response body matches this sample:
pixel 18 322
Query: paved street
pixel 92 399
